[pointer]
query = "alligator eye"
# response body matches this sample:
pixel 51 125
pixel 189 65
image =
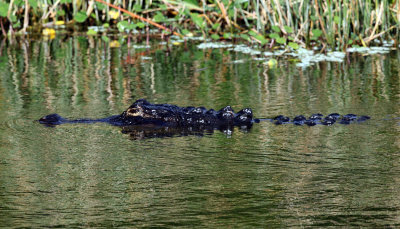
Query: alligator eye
pixel 134 112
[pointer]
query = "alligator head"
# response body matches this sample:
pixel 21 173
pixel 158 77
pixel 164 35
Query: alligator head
pixel 143 112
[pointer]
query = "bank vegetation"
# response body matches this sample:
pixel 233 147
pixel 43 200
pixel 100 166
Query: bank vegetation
pixel 328 24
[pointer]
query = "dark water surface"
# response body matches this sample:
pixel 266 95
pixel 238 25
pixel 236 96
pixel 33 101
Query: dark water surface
pixel 82 175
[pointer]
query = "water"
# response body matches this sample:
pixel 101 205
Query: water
pixel 79 175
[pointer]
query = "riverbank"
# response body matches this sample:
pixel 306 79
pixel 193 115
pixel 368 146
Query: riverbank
pixel 327 25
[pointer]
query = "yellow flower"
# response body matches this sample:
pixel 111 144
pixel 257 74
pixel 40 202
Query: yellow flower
pixel 113 14
pixel 114 44
pixel 272 63
pixel 50 33
pixel 60 23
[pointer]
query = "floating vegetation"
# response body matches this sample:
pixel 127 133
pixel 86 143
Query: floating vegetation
pixel 304 57
pixel 259 59
pixel 370 50
pixel 141 46
pixel 194 38
pixel 268 54
pixel 97 28
pixel 245 49
pixel 241 61
pixel 309 57
pixel 177 41
pixel 214 45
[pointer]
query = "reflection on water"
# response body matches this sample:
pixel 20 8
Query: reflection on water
pixel 145 132
pixel 93 176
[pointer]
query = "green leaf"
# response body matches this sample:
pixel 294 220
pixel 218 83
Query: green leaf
pixel 17 24
pixel 187 4
pixel 193 2
pixel 60 13
pixel 100 6
pixel 276 29
pixel 314 18
pixel 137 8
pixel 106 25
pixel 350 42
pixel 293 45
pixel 316 33
pixel 120 27
pixel 91 32
pixel 13 18
pixel 159 17
pixel 227 35
pixel 252 33
pixel 67 1
pixel 260 38
pixel 231 12
pixel 336 19
pixel 215 36
pixel 80 17
pixel 281 40
pixel 273 35
pixel 19 3
pixel 185 31
pixel 216 26
pixel 125 25
pixel 140 25
pixel 131 26
pixel 245 36
pixel 290 38
pixel 185 12
pixel 288 29
pixel 197 20
pixel 33 3
pixel 3 9
pixel 105 38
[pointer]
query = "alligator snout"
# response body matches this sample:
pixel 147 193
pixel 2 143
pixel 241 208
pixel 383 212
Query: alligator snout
pixel 52 119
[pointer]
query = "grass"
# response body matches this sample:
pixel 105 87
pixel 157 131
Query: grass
pixel 333 24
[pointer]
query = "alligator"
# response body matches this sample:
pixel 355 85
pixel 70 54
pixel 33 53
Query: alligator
pixel 165 119
pixel 142 112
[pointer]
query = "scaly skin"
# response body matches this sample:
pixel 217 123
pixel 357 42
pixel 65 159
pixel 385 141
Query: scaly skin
pixel 142 112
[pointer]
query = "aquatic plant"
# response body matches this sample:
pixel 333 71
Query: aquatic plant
pixel 334 24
